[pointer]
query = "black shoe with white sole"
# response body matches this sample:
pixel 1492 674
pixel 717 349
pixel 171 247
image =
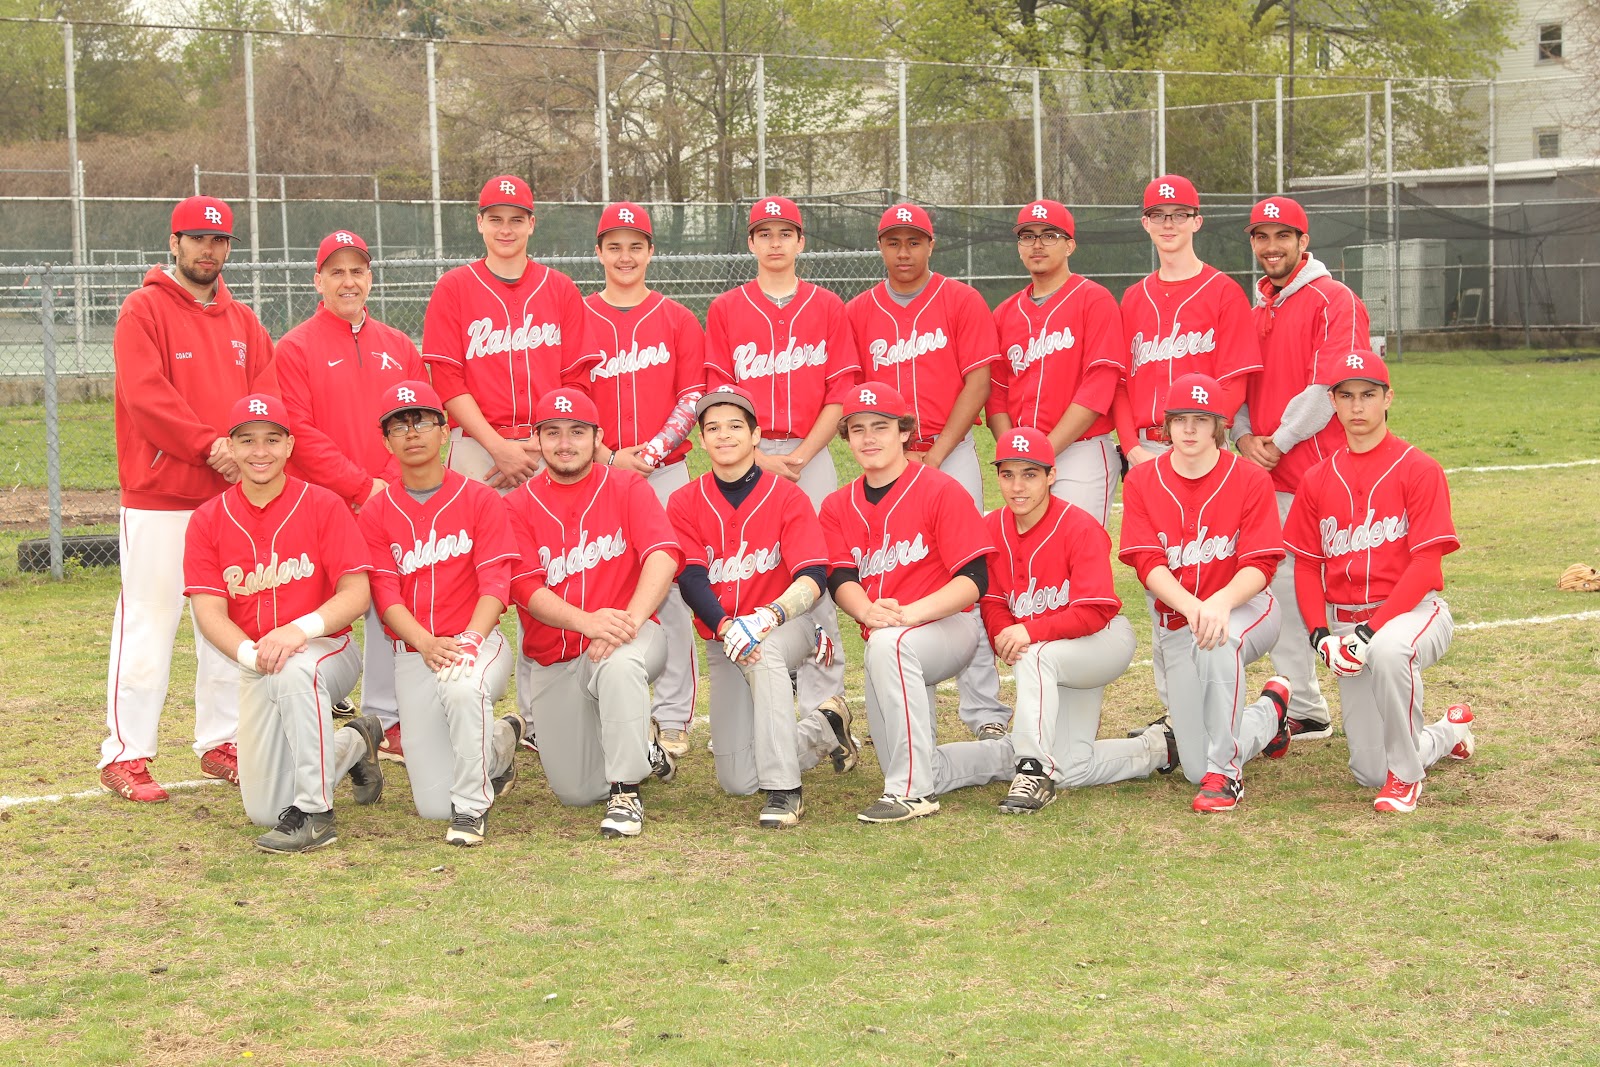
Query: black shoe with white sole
pixel 782 809
pixel 624 813
pixel 466 829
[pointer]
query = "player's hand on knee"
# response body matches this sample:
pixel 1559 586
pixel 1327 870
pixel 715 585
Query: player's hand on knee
pixel 882 613
pixel 464 658
pixel 1358 644
pixel 275 648
pixel 1331 650
pixel 612 625
pixel 746 632
pixel 600 648
pixel 1210 624
pixel 1011 642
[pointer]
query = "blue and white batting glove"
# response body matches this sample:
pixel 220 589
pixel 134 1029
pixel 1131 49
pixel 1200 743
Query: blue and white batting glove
pixel 470 642
pixel 748 631
pixel 825 649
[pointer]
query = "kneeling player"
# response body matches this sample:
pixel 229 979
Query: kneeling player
pixel 597 558
pixel 754 563
pixel 1201 528
pixel 1369 527
pixel 442 551
pixel 907 548
pixel 1052 614
pixel 276 571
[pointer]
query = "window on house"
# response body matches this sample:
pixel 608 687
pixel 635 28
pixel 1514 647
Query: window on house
pixel 1547 143
pixel 1550 42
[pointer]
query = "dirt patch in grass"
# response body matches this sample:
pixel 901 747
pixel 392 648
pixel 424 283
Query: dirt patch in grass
pixel 28 507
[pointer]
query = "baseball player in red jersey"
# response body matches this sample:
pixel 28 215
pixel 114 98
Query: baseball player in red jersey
pixel 907 550
pixel 597 557
pixel 1062 342
pixel 753 563
pixel 788 343
pixel 185 351
pixel 932 338
pixel 1200 528
pixel 442 555
pixel 1369 529
pixel 1308 323
pixel 332 371
pixel 276 571
pixel 498 334
pixel 650 372
pixel 1051 611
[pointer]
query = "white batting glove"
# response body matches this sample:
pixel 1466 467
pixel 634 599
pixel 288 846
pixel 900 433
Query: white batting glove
pixel 748 631
pixel 825 649
pixel 469 642
pixel 1338 657
pixel 1357 643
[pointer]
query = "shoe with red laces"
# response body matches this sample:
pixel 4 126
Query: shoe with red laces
pixel 222 762
pixel 1277 691
pixel 1217 793
pixel 1397 796
pixel 390 749
pixel 1461 715
pixel 128 778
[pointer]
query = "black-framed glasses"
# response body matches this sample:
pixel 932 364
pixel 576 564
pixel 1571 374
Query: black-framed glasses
pixel 1048 239
pixel 1179 217
pixel 403 427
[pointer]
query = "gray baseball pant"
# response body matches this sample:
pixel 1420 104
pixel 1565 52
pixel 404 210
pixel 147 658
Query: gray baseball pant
pixel 1158 665
pixel 1293 657
pixel 1087 473
pixel 979 681
pixel 675 687
pixel 468 457
pixel 378 673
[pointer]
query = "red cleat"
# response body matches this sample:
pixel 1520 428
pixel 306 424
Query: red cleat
pixel 390 749
pixel 222 763
pixel 1277 691
pixel 1461 715
pixel 1398 797
pixel 128 778
pixel 1218 793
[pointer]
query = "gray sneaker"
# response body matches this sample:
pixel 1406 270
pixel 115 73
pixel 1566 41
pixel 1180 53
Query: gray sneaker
pixel 662 763
pixel 503 781
pixel 367 774
pixel 782 809
pixel 848 750
pixel 299 831
pixel 899 809
pixel 1031 791
pixel 466 829
pixel 992 731
pixel 624 815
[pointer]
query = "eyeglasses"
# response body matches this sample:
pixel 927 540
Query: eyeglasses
pixel 1050 238
pixel 401 428
pixel 1179 217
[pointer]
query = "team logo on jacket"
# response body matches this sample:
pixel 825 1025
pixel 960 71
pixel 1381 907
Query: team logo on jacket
pixel 268 575
pixel 750 363
pixel 1026 603
pixel 887 353
pixel 1175 345
pixel 1203 549
pixel 1360 537
pixel 435 550
pixel 743 564
pixel 631 361
pixel 1047 343
pixel 581 557
pixel 240 351
pixel 386 361
pixel 887 558
pixel 483 339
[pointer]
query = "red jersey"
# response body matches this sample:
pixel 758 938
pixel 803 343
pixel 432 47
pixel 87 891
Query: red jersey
pixel 180 367
pixel 752 552
pixel 1068 351
pixel 506 343
pixel 272 564
pixel 792 359
pixel 585 542
pixel 435 559
pixel 1199 325
pixel 925 349
pixel 1307 328
pixel 332 379
pixel 642 361
pixel 1364 515
pixel 1055 579
pixel 1204 530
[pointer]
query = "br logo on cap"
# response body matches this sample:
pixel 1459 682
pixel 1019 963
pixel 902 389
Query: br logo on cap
pixel 1355 362
pixel 257 407
pixel 625 215
pixel 563 404
pixel 1040 211
pixel 509 188
pixel 772 208
pixel 1167 191
pixel 1020 443
pixel 904 215
pixel 868 396
pixel 407 396
pixel 1271 211
pixel 1199 395
pixel 213 216
pixel 344 238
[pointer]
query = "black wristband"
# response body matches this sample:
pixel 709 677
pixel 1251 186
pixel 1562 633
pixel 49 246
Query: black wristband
pixel 1365 633
pixel 1317 635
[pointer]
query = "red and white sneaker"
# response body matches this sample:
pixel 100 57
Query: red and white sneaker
pixel 1397 796
pixel 1461 715
pixel 1277 691
pixel 390 748
pixel 222 763
pixel 1218 793
pixel 129 778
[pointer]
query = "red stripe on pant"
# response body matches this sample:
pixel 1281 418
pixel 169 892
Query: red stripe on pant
pixel 316 692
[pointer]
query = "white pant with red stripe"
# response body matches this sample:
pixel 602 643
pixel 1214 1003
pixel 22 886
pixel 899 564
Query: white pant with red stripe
pixel 1382 706
pixel 148 613
pixel 1060 687
pixel 903 666
pixel 1292 655
pixel 289 750
pixel 1218 732
pixel 454 745
pixel 675 693
pixel 1087 473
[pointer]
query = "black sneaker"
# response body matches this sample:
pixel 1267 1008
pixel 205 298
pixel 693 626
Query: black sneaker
pixel 899 809
pixel 344 709
pixel 466 829
pixel 506 779
pixel 624 814
pixel 1306 730
pixel 782 809
pixel 1031 790
pixel 1163 721
pixel 299 831
pixel 367 774
pixel 662 763
pixel 1164 725
pixel 848 750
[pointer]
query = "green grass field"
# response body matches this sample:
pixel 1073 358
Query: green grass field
pixel 1117 927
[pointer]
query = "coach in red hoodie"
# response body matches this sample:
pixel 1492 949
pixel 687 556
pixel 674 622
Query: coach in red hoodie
pixel 185 351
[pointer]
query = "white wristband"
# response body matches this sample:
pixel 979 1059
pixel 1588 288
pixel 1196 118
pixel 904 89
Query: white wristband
pixel 246 654
pixel 311 625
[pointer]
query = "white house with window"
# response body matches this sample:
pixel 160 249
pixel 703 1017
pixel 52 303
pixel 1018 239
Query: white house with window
pixel 1541 93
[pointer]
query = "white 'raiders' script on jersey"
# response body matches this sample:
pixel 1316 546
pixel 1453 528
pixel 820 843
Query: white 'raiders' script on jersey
pixel 632 361
pixel 268 575
pixel 743 563
pixel 1033 601
pixel 887 354
pixel 436 550
pixel 1175 345
pixel 749 363
pixel 1203 549
pixel 484 340
pixel 1359 537
pixel 889 557
pixel 584 555
pixel 1039 347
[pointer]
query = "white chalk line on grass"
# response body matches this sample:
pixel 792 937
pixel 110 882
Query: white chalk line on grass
pixel 1522 467
pixel 53 798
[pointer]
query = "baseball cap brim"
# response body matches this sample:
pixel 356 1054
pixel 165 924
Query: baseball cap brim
pixel 258 418
pixel 1045 463
pixel 1359 378
pixel 208 231
pixel 414 406
pixel 711 400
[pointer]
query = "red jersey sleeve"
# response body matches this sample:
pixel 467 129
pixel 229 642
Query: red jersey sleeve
pixel 161 413
pixel 320 459
pixel 441 340
pixel 385 576
pixel 1346 329
pixel 681 514
pixel 1105 354
pixel 1260 535
pixel 527 574
pixel 958 529
pixel 202 566
pixel 1238 344
pixel 648 527
pixel 494 551
pixel 844 360
pixel 344 550
pixel 689 353
pixel 1000 371
pixel 834 537
pixel 1139 547
pixel 801 533
pixel 576 353
pixel 1428 509
pixel 1300 534
pixel 977 341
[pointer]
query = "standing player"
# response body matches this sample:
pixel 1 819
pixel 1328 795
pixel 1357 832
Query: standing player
pixel 907 549
pixel 500 333
pixel 185 351
pixel 788 343
pixel 753 563
pixel 1062 341
pixel 333 371
pixel 1307 323
pixel 276 572
pixel 1200 528
pixel 650 372
pixel 1370 528
pixel 597 557
pixel 442 556
pixel 1052 614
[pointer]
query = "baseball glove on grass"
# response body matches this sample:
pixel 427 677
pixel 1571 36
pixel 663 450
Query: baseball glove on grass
pixel 1579 578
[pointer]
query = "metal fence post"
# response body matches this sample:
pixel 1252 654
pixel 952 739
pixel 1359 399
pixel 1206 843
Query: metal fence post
pixel 250 167
pixel 761 126
pixel 288 278
pixel 1394 219
pixel 602 130
pixel 197 179
pixel 1161 122
pixel 377 234
pixel 52 418
pixel 1278 152
pixel 75 186
pixel 1255 149
pixel 905 192
pixel 1038 139
pixel 1489 182
pixel 433 152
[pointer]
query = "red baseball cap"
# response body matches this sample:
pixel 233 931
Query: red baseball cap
pixel 1025 444
pixel 775 209
pixel 1280 210
pixel 258 407
pixel 909 216
pixel 506 190
pixel 1195 394
pixel 1364 366
pixel 875 398
pixel 624 215
pixel 203 216
pixel 736 395
pixel 1171 189
pixel 1049 212
pixel 340 239
pixel 412 395
pixel 566 403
